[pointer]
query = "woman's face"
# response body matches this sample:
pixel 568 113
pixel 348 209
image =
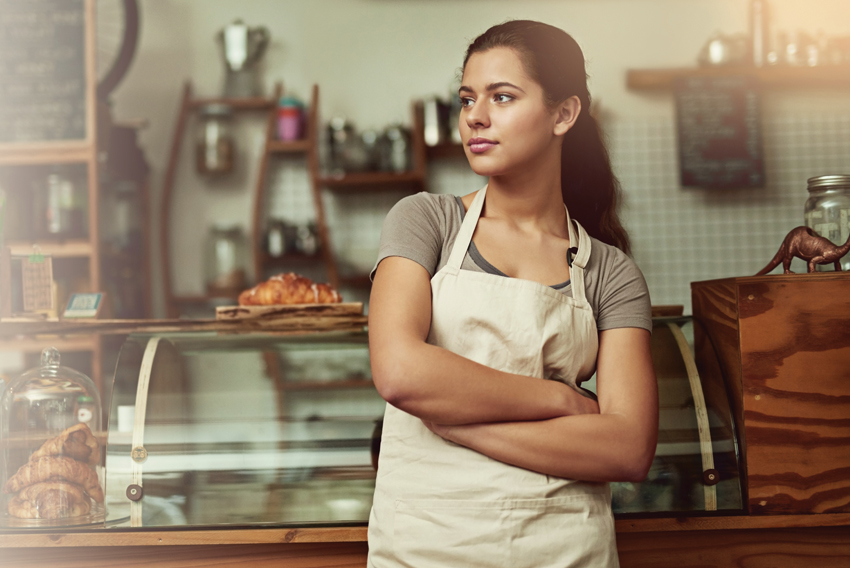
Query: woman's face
pixel 504 124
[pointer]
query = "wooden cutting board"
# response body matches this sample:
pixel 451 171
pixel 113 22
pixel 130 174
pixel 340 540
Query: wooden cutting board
pixel 285 311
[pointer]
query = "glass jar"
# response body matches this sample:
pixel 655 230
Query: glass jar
pixel 215 150
pixel 827 212
pixel 226 259
pixel 52 461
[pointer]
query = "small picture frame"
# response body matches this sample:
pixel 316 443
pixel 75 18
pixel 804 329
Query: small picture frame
pixel 84 305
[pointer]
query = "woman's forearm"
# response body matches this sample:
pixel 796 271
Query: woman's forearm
pixel 600 447
pixel 437 385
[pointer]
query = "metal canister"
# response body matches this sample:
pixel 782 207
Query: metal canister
pixel 827 211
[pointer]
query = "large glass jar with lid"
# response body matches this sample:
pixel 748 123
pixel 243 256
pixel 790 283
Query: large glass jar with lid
pixel 226 259
pixel 215 148
pixel 50 432
pixel 827 212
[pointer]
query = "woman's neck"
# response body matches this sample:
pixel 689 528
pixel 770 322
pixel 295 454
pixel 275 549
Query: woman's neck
pixel 530 200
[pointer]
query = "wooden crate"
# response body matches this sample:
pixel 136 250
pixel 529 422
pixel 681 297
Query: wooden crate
pixel 783 345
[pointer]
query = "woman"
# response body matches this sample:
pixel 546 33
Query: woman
pixel 476 299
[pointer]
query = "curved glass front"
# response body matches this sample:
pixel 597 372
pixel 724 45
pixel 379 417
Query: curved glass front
pixel 265 429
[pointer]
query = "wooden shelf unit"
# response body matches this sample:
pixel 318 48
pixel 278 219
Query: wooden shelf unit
pixel 829 76
pixel 371 181
pixel 188 105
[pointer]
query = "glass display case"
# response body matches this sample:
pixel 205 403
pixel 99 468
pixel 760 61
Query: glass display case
pixel 50 470
pixel 265 429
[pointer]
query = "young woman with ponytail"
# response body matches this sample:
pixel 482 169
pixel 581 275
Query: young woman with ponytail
pixel 489 311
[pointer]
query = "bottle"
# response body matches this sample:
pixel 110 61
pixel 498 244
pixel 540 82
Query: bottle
pixel 758 31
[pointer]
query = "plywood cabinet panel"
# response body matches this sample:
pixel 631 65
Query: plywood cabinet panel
pixel 784 345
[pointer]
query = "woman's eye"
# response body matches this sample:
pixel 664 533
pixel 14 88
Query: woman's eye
pixel 466 102
pixel 502 98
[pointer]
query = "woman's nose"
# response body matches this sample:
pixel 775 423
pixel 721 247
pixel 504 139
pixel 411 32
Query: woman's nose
pixel 477 116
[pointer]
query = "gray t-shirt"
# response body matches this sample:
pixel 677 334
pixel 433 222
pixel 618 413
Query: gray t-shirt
pixel 423 228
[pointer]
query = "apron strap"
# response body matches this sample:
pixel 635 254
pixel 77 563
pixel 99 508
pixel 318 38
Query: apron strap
pixel 467 228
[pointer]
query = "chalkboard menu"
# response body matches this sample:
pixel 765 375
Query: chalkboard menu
pixel 719 129
pixel 42 70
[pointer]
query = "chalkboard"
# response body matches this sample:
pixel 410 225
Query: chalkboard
pixel 719 128
pixel 42 70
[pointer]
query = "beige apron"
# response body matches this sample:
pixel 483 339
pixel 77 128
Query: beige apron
pixel 438 504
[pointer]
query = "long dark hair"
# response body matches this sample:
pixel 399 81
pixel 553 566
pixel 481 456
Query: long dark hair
pixel 554 59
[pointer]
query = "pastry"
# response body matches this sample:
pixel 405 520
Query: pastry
pixel 289 288
pixel 56 468
pixel 50 500
pixel 76 442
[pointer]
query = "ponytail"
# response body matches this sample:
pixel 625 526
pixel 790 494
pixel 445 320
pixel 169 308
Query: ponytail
pixel 552 57
pixel 590 189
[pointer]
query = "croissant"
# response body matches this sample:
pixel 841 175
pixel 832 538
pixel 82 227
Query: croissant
pixel 76 442
pixel 50 500
pixel 55 468
pixel 289 288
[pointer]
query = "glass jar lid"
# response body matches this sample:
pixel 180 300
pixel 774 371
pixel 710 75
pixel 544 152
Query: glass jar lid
pixel 216 109
pixel 829 182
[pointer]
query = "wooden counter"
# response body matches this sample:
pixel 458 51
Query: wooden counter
pixel 774 541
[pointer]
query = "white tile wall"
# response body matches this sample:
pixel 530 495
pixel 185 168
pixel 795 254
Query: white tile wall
pixel 679 235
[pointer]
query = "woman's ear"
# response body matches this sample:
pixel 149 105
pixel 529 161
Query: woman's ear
pixel 568 112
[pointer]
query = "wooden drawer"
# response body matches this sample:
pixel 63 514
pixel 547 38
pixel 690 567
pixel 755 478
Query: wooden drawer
pixel 783 344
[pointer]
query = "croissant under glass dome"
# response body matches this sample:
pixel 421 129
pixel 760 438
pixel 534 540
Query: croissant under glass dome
pixel 51 472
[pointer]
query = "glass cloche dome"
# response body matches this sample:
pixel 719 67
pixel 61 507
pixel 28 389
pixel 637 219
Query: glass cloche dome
pixel 51 456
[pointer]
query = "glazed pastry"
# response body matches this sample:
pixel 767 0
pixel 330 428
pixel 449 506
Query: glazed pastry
pixel 56 468
pixel 50 500
pixel 289 288
pixel 76 442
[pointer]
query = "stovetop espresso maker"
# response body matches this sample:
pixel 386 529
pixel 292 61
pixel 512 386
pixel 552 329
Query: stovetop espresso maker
pixel 242 48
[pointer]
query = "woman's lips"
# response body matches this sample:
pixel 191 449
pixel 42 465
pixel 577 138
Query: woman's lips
pixel 480 145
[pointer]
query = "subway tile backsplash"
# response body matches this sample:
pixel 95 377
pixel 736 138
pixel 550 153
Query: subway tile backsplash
pixel 679 235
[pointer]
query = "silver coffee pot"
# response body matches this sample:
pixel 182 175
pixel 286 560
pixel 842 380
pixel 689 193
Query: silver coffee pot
pixel 242 48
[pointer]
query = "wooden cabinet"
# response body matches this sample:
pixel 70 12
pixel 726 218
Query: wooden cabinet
pixel 783 345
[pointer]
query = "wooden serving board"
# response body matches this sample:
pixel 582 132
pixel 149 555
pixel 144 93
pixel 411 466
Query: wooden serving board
pixel 286 311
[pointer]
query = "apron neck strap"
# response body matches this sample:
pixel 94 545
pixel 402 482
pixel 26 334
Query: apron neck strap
pixel 467 228
pixel 579 241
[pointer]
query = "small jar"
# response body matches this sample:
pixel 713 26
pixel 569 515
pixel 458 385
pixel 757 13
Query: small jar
pixel 827 212
pixel 290 119
pixel 215 150
pixel 226 258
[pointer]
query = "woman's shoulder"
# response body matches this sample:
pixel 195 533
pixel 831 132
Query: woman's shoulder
pixel 424 204
pixel 617 288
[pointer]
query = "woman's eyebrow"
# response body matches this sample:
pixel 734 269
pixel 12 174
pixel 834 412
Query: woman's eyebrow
pixel 490 87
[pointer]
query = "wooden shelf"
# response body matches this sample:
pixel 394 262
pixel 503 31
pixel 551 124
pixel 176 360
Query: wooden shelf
pixel 377 179
pixel 251 103
pixel 36 344
pixel 204 299
pixel 289 147
pixel 76 248
pixel 831 76
pixel 326 385
pixel 75 151
pixel 448 150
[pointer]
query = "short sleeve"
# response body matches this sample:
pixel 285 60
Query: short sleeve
pixel 624 301
pixel 412 230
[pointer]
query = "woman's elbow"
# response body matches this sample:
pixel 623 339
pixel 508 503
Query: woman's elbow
pixel 639 461
pixel 390 378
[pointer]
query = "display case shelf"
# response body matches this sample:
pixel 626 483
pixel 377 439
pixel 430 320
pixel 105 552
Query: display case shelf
pixel 289 147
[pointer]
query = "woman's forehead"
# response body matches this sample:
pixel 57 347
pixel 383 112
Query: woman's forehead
pixel 498 64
